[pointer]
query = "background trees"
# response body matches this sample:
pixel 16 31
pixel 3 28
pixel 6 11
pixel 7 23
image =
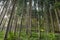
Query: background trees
pixel 30 19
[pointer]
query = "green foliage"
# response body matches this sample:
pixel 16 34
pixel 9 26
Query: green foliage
pixel 49 36
pixel 1 35
pixel 57 36
pixel 19 7
pixel 20 2
pixel 57 5
pixel 11 36
pixel 34 36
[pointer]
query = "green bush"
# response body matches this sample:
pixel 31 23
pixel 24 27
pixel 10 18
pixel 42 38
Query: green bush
pixel 35 36
pixel 47 36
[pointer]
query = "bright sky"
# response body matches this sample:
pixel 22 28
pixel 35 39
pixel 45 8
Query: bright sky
pixel 1 7
pixel 1 3
pixel 33 5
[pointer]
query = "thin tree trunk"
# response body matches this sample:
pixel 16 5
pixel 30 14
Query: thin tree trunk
pixel 11 23
pixel 5 11
pixel 21 18
pixel 7 30
pixel 3 26
pixel 46 19
pixel 57 19
pixel 3 7
pixel 20 26
pixel 52 26
pixel 15 30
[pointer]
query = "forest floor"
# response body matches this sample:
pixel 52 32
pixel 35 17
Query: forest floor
pixel 1 35
pixel 50 36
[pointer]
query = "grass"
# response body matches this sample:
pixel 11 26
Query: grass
pixel 34 36
pixel 2 35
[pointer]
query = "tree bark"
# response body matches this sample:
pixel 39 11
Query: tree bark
pixel 7 30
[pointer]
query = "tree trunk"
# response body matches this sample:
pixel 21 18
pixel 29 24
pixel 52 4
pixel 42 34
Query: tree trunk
pixel 52 26
pixel 57 19
pixel 7 30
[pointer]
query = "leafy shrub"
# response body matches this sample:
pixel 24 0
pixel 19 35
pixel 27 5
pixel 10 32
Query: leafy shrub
pixel 35 36
pixel 57 5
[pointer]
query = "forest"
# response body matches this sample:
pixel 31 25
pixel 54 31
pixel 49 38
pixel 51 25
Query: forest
pixel 29 19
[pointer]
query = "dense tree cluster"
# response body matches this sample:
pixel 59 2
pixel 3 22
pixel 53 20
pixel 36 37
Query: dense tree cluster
pixel 30 19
